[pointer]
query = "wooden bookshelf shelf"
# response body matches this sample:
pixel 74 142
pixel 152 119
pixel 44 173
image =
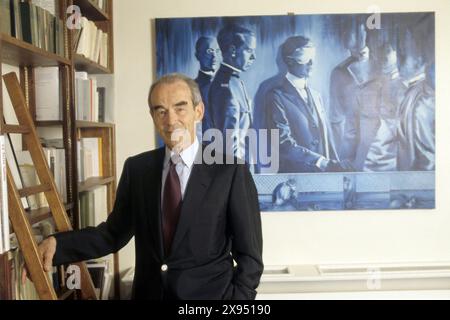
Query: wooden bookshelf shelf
pixel 89 124
pixel 79 124
pixel 20 53
pixel 91 11
pixel 49 123
pixel 83 64
pixel 92 183
pixel 28 58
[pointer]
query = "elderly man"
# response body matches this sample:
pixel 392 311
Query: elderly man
pixel 229 101
pixel 190 220
pixel 306 142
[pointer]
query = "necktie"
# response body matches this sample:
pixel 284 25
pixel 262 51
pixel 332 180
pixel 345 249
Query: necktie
pixel 171 206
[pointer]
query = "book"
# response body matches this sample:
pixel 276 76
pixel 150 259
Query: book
pixel 28 291
pixel 101 104
pixel 91 152
pixel 91 42
pixel 48 94
pixel 48 5
pixel 4 217
pixel 30 179
pixel 16 20
pixel 93 207
pixel 28 31
pixel 5 17
pixel 11 160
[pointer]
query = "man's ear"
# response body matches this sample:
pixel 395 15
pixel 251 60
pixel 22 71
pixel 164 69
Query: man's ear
pixel 288 62
pixel 199 111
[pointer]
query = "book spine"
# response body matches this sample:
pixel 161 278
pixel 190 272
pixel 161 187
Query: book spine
pixel 4 194
pixel 26 22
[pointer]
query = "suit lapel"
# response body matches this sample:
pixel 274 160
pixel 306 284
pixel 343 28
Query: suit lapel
pixel 315 99
pixel 316 104
pixel 296 99
pixel 152 188
pixel 199 180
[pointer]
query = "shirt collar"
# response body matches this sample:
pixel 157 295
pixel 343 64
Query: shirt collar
pixel 410 82
pixel 209 73
pixel 394 74
pixel 231 67
pixel 187 155
pixel 298 83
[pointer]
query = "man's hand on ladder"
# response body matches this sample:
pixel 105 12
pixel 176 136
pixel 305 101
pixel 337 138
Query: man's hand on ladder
pixel 47 250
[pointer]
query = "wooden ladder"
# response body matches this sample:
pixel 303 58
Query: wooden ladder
pixel 17 214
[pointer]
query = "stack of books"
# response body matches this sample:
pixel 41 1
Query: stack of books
pixel 91 42
pixel 33 22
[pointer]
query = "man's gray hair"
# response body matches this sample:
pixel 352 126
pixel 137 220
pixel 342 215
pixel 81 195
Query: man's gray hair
pixel 174 77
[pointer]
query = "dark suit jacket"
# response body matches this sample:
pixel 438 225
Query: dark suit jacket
pixel 230 107
pixel 220 215
pixel 343 109
pixel 301 138
pixel 204 83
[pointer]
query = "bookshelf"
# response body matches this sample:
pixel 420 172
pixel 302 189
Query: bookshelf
pixel 27 57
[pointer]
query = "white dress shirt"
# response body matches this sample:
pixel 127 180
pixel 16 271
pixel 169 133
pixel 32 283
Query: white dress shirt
pixel 184 162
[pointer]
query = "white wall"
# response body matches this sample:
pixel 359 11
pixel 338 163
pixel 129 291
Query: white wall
pixel 304 237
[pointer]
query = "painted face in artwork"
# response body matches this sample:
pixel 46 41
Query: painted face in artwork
pixel 208 54
pixel 300 62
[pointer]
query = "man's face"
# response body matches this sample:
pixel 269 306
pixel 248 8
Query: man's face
pixel 388 61
pixel 300 63
pixel 245 54
pixel 174 114
pixel 361 54
pixel 410 66
pixel 209 55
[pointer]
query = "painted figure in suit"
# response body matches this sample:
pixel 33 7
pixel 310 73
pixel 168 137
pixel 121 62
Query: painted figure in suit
pixel 417 110
pixel 208 54
pixel 190 220
pixel 296 110
pixel 382 153
pixel 229 101
pixel 346 79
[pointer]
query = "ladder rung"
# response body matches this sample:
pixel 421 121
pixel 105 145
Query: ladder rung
pixel 9 128
pixel 25 192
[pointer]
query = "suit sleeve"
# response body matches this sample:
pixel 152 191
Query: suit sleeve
pixel 106 238
pixel 245 222
pixel 424 135
pixel 226 115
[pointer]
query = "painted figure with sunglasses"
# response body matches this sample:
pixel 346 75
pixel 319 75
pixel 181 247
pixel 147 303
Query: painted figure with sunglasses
pixel 306 142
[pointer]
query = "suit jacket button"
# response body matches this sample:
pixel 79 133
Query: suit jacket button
pixel 315 142
pixel 164 268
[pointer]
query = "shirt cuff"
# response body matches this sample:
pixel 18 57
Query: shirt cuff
pixel 320 163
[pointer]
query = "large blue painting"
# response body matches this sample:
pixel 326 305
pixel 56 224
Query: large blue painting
pixel 331 112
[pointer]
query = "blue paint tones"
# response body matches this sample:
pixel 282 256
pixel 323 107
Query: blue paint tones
pixel 175 48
